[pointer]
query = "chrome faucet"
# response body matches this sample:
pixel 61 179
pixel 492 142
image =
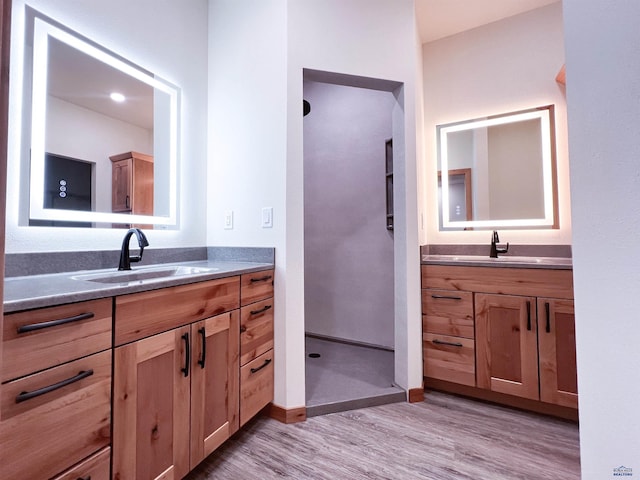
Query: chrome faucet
pixel 125 258
pixel 495 249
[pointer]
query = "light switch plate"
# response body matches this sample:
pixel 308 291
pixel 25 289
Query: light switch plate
pixel 228 220
pixel 267 217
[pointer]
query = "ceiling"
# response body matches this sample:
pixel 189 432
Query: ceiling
pixel 441 18
pixel 72 71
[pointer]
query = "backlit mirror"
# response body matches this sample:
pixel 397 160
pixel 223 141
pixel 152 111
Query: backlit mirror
pixel 498 172
pixel 103 142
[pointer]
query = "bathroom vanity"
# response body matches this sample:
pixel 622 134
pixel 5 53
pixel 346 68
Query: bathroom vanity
pixel 501 330
pixel 143 381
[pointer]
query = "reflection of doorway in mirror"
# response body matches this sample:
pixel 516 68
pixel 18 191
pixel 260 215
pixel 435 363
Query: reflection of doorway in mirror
pixel 460 199
pixel 67 186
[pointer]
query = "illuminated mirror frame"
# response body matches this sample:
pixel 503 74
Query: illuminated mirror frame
pixel 42 32
pixel 544 114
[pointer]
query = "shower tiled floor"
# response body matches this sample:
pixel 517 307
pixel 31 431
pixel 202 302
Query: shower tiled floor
pixel 347 376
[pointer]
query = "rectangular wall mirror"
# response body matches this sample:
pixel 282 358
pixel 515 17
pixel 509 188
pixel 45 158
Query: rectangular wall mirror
pixel 101 134
pixel 498 172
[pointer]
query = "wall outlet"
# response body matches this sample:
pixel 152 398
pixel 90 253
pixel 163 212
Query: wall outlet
pixel 228 220
pixel 267 217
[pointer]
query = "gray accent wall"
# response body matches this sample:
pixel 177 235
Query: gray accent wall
pixel 349 269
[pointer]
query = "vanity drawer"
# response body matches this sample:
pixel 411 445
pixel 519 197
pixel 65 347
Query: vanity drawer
pixel 449 358
pixel 64 420
pixel 256 330
pixel 34 340
pixel 256 286
pixel 96 467
pixel 448 312
pixel 140 315
pixel 256 386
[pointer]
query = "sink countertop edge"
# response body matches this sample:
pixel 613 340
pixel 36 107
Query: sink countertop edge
pixel 48 290
pixel 549 263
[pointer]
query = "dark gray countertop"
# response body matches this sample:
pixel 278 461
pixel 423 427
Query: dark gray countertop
pixel 35 291
pixel 506 261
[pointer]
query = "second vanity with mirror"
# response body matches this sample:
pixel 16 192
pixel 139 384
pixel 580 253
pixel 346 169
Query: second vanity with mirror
pixel 501 330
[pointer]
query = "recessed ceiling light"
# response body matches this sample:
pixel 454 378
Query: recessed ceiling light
pixel 117 97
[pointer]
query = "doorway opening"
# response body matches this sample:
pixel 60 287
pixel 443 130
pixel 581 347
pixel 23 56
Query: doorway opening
pixel 349 241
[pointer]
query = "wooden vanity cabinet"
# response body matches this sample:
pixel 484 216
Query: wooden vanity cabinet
pixel 557 352
pixel 507 344
pixel 214 383
pixel 448 336
pixel 151 408
pixel 55 407
pixel 175 392
pixel 256 343
pixel 524 326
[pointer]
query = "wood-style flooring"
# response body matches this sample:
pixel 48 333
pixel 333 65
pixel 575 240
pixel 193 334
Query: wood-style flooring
pixel 445 437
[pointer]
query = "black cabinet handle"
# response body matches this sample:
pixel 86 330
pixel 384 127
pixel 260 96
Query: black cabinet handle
pixel 88 477
pixel 450 344
pixel 243 328
pixel 548 326
pixel 261 279
pixel 126 202
pixel 262 310
pixel 23 396
pixel 266 362
pixel 187 360
pixel 203 334
pixel 446 297
pixel 54 323
pixel 528 315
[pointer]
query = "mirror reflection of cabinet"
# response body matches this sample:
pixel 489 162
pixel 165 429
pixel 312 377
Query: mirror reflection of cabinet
pixel 132 183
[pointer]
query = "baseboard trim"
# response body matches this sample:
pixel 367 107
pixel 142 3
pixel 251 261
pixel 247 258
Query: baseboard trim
pixel 565 413
pixel 287 415
pixel 416 395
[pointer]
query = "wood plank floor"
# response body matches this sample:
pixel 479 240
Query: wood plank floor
pixel 445 437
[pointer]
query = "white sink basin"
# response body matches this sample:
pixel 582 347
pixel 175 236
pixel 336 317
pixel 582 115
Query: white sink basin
pixel 142 275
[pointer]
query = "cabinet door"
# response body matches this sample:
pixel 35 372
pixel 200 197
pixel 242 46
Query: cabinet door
pixel 151 407
pixel 121 180
pixel 506 344
pixel 214 384
pixel 557 346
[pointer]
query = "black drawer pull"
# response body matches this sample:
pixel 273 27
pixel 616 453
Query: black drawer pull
pixel 261 279
pixel 548 325
pixel 451 344
pixel 266 362
pixel 23 396
pixel 203 334
pixel 187 357
pixel 528 315
pixel 88 477
pixel 54 323
pixel 262 310
pixel 445 297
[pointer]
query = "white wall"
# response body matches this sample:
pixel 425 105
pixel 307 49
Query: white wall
pixel 165 43
pixel 348 257
pixel 95 138
pixel 505 66
pixel 258 49
pixel 603 87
